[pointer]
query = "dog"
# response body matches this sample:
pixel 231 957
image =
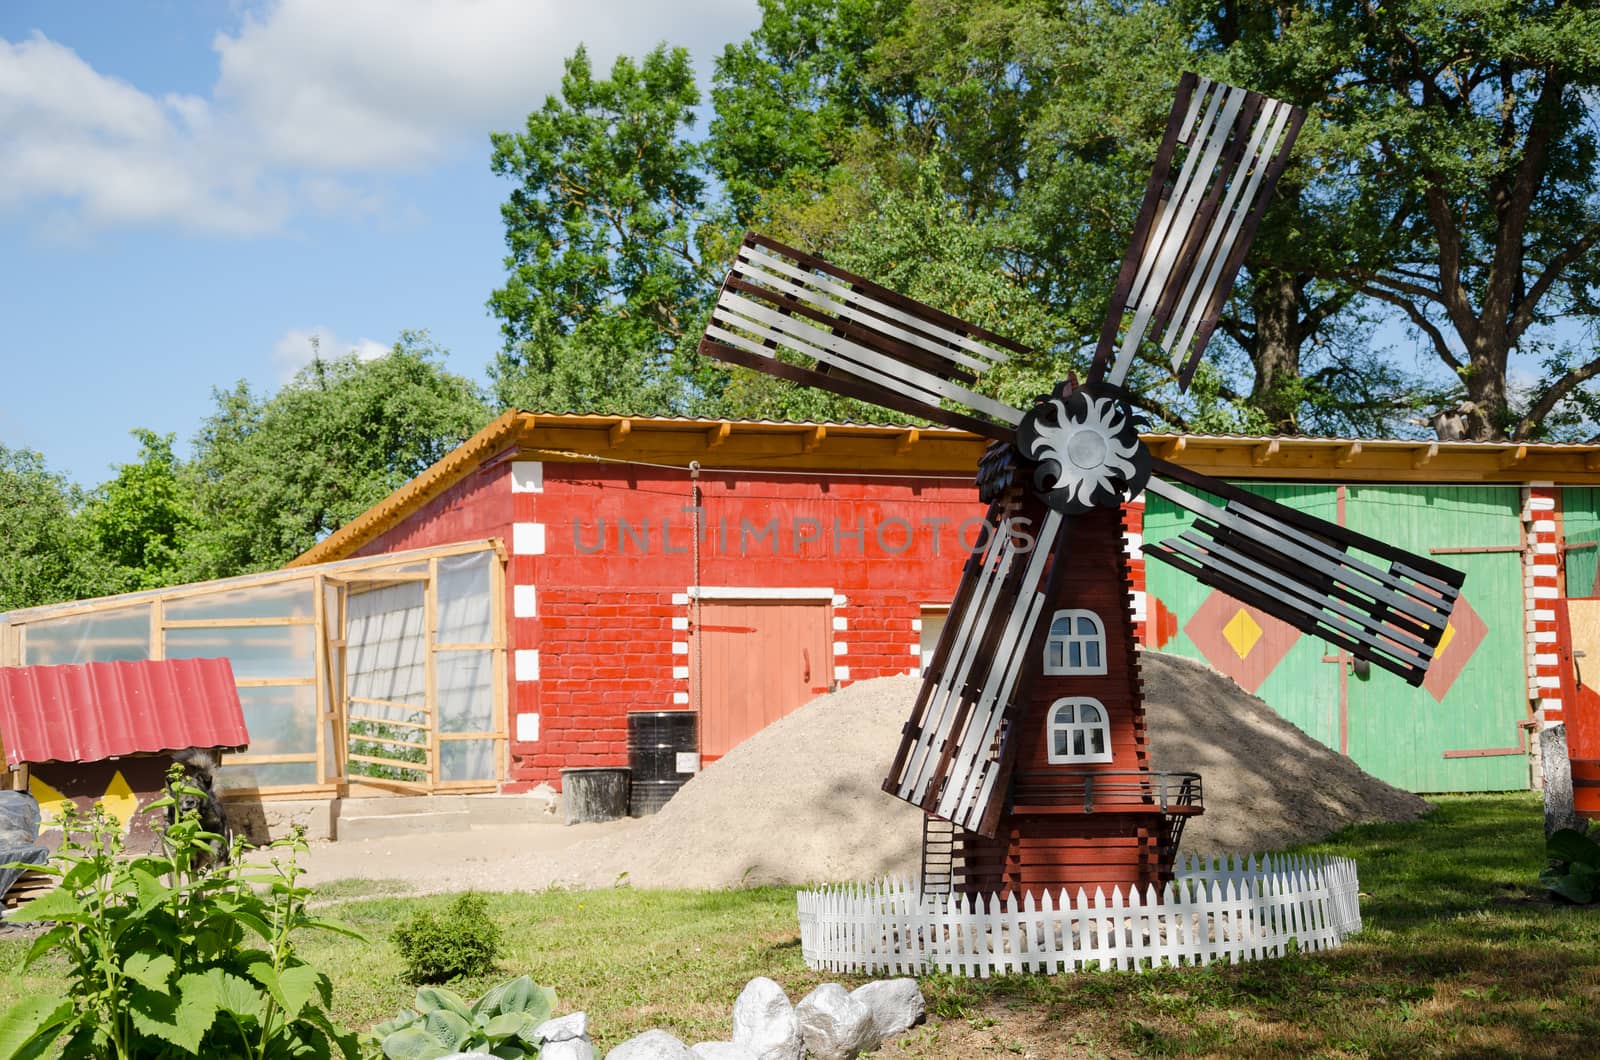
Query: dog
pixel 199 771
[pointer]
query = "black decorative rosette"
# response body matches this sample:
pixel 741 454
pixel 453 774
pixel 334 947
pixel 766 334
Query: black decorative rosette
pixel 1085 441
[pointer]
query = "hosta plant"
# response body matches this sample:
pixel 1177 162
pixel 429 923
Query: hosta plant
pixel 440 1022
pixel 1574 873
pixel 167 958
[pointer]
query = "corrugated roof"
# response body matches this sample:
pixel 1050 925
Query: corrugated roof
pixel 93 711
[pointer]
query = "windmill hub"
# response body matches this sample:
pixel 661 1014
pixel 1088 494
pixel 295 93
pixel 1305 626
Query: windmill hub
pixel 1084 443
pixel 1087 450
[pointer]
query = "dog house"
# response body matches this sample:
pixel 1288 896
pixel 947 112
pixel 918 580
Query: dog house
pixel 103 732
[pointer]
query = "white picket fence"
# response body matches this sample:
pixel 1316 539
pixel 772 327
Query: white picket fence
pixel 1220 909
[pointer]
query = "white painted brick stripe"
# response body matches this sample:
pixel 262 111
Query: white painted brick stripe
pixel 916 625
pixel 916 649
pixel 1548 682
pixel 527 476
pixel 680 699
pixel 841 673
pixel 1544 526
pixel 1541 504
pixel 524 602
pixel 1545 658
pixel 1545 592
pixel 1549 704
pixel 680 647
pixel 680 673
pixel 527 539
pixel 840 625
pixel 527 728
pixel 1544 636
pixel 680 624
pixel 840 648
pixel 840 600
pixel 1544 615
pixel 1543 549
pixel 527 664
pixel 680 599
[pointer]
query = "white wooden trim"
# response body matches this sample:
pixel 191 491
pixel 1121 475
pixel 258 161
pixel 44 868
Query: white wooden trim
pixel 1222 909
pixel 749 592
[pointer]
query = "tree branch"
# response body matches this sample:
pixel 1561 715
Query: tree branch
pixel 1426 326
pixel 1522 318
pixel 1548 400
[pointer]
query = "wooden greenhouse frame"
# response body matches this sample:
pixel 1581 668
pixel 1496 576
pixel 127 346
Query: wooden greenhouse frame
pixel 327 588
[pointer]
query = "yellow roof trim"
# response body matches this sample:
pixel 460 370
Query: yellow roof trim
pixel 750 444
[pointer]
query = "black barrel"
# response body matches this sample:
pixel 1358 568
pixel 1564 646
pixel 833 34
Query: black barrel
pixel 599 794
pixel 663 752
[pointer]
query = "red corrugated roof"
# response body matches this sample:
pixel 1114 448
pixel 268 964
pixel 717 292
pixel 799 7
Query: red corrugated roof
pixel 93 711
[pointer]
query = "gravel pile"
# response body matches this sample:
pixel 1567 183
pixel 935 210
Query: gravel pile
pixel 801 800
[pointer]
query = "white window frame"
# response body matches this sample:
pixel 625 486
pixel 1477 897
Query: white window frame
pixel 1065 642
pixel 1055 724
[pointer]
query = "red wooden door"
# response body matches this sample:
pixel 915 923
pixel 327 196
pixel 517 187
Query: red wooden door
pixel 752 662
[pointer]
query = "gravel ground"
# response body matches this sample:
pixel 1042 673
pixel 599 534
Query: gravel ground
pixel 800 801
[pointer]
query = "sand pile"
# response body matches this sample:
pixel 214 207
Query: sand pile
pixel 801 800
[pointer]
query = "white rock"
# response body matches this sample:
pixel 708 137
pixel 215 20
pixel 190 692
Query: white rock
pixel 834 1025
pixel 764 1022
pixel 563 1028
pixel 571 1049
pixel 651 1045
pixel 896 1005
pixel 721 1051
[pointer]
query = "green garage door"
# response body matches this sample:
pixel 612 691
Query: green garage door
pixel 1460 731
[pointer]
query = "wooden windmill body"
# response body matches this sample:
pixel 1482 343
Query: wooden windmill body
pixel 1026 746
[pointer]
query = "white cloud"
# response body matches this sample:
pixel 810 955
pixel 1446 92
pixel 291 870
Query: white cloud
pixel 314 103
pixel 294 351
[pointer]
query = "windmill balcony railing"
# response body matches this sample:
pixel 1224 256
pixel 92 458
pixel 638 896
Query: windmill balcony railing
pixel 1111 791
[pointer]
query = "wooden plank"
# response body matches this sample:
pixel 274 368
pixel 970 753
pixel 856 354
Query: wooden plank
pixel 853 388
pixel 430 633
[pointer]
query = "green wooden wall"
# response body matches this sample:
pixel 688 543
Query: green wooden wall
pixel 1580 526
pixel 1394 731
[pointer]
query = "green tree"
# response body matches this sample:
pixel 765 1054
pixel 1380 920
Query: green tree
pixel 1470 129
pixel 142 521
pixel 605 274
pixel 273 476
pixel 46 553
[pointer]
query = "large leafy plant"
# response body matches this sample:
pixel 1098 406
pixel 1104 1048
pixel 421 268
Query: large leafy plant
pixel 167 958
pixel 1575 870
pixel 502 1023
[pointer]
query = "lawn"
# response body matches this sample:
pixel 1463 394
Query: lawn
pixel 1458 958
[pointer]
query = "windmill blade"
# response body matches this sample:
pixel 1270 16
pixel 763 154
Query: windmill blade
pixel 1193 230
pixel 951 760
pixel 861 340
pixel 1301 569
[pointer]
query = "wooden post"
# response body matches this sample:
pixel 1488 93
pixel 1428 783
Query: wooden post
pixel 158 633
pixel 1559 811
pixel 430 628
pixel 497 634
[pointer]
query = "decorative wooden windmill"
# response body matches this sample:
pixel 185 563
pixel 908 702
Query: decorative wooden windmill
pixel 1026 746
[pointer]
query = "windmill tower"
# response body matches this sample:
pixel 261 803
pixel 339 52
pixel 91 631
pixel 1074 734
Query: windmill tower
pixel 1026 746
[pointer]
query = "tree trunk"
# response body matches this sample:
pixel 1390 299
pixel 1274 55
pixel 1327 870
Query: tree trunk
pixel 1486 385
pixel 1275 353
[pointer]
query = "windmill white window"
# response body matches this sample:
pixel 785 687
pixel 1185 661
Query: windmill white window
pixel 1077 644
pixel 1078 731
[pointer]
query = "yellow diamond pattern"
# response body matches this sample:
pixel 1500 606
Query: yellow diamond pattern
pixel 1444 639
pixel 1242 632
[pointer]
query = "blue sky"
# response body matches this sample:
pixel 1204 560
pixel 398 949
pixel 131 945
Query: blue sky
pixel 189 189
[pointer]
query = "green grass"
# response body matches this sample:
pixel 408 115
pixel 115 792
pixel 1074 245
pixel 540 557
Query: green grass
pixel 1457 959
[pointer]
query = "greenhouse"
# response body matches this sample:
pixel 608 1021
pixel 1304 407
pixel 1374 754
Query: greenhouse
pixel 384 673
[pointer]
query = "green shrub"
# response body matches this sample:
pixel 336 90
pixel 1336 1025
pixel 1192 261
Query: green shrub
pixel 440 1023
pixel 169 959
pixel 1574 872
pixel 462 941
